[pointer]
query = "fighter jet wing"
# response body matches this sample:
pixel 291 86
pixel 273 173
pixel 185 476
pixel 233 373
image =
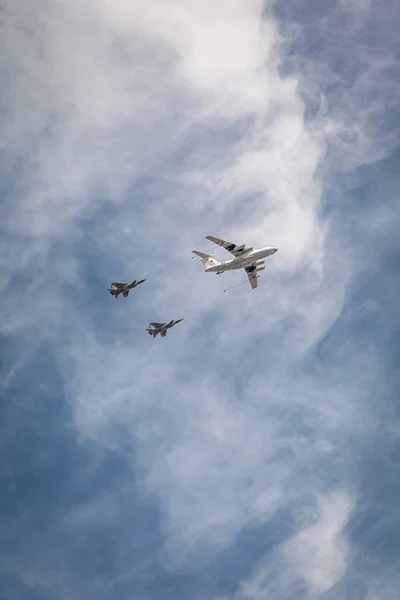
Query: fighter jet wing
pixel 118 285
pixel 234 249
pixel 252 275
pixel 153 324
pixel 125 293
pixel 163 333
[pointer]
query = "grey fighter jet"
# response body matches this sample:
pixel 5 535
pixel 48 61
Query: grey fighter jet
pixel 161 328
pixel 123 288
pixel 245 257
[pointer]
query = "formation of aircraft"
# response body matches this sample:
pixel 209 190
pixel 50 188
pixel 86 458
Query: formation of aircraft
pixel 161 328
pixel 244 257
pixel 123 288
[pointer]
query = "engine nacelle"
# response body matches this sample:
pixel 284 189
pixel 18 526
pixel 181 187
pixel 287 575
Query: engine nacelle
pixel 259 269
pixel 260 262
pixel 240 248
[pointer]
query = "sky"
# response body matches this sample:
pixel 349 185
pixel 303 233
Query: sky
pixel 254 452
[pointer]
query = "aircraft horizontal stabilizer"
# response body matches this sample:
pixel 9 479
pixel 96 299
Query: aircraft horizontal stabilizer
pixel 202 255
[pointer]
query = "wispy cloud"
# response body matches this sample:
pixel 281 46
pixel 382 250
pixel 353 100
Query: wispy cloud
pixel 129 132
pixel 313 561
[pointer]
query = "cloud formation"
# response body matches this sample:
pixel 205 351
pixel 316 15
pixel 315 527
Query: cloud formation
pixel 129 132
pixel 315 557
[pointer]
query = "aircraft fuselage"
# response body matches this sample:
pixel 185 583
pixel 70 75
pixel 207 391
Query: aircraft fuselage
pixel 241 262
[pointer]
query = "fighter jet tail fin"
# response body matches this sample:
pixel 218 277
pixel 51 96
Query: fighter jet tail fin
pixel 206 259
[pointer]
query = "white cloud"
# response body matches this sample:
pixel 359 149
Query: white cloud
pixel 178 113
pixel 316 556
pixel 319 552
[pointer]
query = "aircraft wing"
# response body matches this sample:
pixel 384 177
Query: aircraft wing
pixel 125 293
pixel 153 324
pixel 234 249
pixel 118 285
pixel 163 333
pixel 252 275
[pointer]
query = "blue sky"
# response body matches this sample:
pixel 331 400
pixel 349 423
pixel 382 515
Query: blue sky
pixel 254 452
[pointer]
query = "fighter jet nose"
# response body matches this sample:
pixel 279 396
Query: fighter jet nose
pixel 275 250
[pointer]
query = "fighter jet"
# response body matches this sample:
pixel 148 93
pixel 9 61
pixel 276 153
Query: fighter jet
pixel 161 328
pixel 123 288
pixel 244 258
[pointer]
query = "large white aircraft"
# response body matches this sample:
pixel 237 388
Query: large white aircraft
pixel 252 261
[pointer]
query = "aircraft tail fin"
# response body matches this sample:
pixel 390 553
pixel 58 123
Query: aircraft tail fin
pixel 208 260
